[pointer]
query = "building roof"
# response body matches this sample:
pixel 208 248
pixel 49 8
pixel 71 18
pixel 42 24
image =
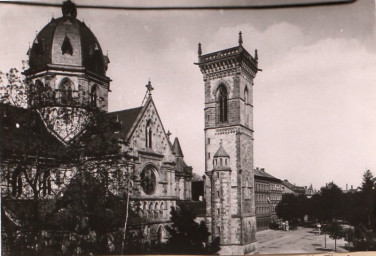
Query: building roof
pixel 177 149
pixel 127 118
pixel 260 173
pixel 297 189
pixel 67 41
pixel 221 152
pixel 23 131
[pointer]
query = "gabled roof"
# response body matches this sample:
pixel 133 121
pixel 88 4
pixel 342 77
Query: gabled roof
pixel 177 149
pixel 127 118
pixel 262 174
pixel 293 187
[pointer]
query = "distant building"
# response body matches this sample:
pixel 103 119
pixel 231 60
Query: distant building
pixel 351 190
pixel 289 188
pixel 268 193
pixel 309 192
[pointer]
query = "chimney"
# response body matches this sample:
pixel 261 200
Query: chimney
pixel 351 187
pixel 346 187
pixel 263 169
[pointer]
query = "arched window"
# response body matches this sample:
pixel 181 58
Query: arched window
pixel 46 184
pixel 222 98
pixel 160 234
pixel 148 134
pixel 246 102
pixel 93 96
pixel 38 95
pixel 17 183
pixel 66 91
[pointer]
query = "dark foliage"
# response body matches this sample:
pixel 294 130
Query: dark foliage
pixel 292 208
pixel 188 236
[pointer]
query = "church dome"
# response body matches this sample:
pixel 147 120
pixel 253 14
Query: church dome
pixel 67 41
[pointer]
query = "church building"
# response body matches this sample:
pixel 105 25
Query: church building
pixel 66 82
pixel 229 187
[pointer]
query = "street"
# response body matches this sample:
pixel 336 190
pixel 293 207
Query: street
pixel 302 240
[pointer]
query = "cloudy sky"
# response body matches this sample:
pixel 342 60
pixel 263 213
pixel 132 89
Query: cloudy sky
pixel 314 101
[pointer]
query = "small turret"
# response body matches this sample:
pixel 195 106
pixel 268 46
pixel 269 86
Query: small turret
pixel 221 158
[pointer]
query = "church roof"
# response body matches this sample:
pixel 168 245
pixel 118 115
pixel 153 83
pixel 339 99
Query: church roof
pixel 127 118
pixel 67 41
pixel 177 149
pixel 221 152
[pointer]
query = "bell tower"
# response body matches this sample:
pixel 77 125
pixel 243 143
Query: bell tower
pixel 230 206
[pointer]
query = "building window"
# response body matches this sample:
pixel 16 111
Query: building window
pixel 93 96
pixel 148 135
pixel 218 193
pixel 208 140
pixel 222 98
pixel 46 184
pixel 38 92
pixel 208 155
pixel 246 101
pixel 148 180
pixel 66 91
pixel 17 183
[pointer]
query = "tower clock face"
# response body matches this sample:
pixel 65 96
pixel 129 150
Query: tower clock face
pixel 148 180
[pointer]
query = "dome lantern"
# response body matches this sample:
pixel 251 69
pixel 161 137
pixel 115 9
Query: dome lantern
pixel 69 9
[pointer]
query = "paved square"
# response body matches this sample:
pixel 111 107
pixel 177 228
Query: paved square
pixel 302 240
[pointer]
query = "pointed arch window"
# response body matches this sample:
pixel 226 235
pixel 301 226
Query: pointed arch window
pixel 66 91
pixel 66 47
pixel 148 135
pixel 246 102
pixel 17 183
pixel 94 96
pixel 222 99
pixel 38 94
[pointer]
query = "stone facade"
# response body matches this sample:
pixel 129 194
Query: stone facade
pixel 229 186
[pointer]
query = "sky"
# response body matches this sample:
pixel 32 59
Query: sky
pixel 314 101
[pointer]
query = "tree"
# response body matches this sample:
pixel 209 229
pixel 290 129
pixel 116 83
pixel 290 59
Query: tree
pixel 292 208
pixel 328 204
pixel 40 160
pixel 334 230
pixel 91 214
pixel 188 236
pixel 13 88
pixel 367 198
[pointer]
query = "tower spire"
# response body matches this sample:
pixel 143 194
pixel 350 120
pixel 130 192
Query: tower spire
pixel 199 49
pixel 240 39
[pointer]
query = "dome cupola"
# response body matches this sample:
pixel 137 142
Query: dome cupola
pixel 67 41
